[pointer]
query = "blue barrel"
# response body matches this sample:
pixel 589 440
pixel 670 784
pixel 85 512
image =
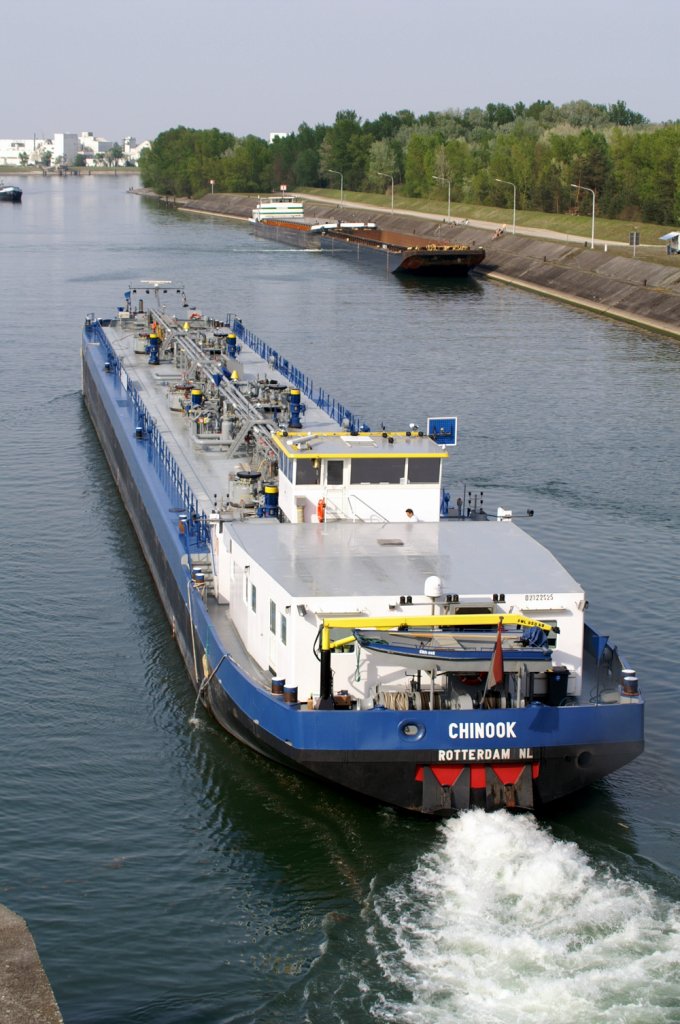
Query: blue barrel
pixel 153 348
pixel 294 399
pixel 271 500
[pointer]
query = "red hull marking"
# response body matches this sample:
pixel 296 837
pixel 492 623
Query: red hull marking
pixel 444 776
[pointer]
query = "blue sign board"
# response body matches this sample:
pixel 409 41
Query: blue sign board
pixel 443 430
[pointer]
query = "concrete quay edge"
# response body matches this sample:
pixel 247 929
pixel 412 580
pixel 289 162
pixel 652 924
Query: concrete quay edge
pixel 26 996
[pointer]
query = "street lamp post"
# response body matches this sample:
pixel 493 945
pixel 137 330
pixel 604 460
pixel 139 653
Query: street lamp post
pixel 514 199
pixel 437 178
pixel 383 175
pixel 592 192
pixel 331 171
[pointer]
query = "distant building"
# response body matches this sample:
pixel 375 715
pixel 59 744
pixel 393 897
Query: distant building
pixel 278 135
pixel 64 147
pixel 132 151
pixel 92 145
pixel 17 152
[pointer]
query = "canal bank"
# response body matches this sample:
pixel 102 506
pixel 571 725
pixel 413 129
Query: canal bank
pixel 26 995
pixel 603 280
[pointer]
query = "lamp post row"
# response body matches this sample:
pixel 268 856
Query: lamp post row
pixel 447 181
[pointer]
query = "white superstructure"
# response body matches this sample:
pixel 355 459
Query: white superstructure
pixel 279 207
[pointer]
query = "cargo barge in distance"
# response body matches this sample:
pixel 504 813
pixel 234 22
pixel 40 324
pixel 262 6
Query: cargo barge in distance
pixel 281 218
pixel 334 613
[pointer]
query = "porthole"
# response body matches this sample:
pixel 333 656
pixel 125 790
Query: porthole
pixel 412 730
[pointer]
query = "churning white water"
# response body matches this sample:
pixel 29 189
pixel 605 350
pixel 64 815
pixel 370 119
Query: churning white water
pixel 503 923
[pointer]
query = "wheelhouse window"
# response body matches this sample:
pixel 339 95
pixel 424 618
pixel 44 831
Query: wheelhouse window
pixel 306 471
pixel 283 629
pixel 253 597
pixel 423 471
pixel 272 618
pixel 378 471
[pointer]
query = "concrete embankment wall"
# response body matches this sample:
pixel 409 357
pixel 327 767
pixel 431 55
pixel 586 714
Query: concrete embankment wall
pixel 631 289
pixel 25 993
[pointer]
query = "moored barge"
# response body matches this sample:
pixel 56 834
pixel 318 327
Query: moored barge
pixel 281 218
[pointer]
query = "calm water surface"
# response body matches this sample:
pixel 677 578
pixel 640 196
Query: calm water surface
pixel 171 877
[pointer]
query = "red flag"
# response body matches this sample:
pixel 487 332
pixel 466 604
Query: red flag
pixel 495 674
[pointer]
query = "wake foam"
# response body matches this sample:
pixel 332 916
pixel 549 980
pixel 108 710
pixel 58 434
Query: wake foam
pixel 503 923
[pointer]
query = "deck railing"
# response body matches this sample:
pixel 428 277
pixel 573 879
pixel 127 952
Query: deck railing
pixel 340 413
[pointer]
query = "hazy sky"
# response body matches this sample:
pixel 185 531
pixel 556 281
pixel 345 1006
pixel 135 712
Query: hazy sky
pixel 138 67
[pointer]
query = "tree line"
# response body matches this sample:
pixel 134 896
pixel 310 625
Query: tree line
pixel 541 149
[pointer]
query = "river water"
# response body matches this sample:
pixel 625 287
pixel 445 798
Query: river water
pixel 170 876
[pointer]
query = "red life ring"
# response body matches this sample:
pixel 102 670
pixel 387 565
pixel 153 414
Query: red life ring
pixel 321 510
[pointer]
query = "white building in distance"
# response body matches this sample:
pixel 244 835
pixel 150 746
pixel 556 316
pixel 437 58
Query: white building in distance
pixel 63 148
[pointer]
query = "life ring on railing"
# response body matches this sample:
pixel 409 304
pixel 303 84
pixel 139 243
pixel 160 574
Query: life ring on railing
pixel 321 510
pixel 195 316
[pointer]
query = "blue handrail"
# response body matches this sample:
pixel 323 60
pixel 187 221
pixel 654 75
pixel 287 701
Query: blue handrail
pixel 340 413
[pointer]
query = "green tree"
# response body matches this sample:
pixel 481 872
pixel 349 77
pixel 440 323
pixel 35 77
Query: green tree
pixel 343 149
pixel 420 163
pixel 383 158
pixel 114 154
pixel 247 167
pixel 620 114
pixel 181 161
pixel 591 165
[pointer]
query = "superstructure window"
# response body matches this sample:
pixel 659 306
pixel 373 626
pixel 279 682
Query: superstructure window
pixel 272 618
pixel 253 597
pixel 283 629
pixel 334 472
pixel 423 471
pixel 306 471
pixel 286 466
pixel 378 471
